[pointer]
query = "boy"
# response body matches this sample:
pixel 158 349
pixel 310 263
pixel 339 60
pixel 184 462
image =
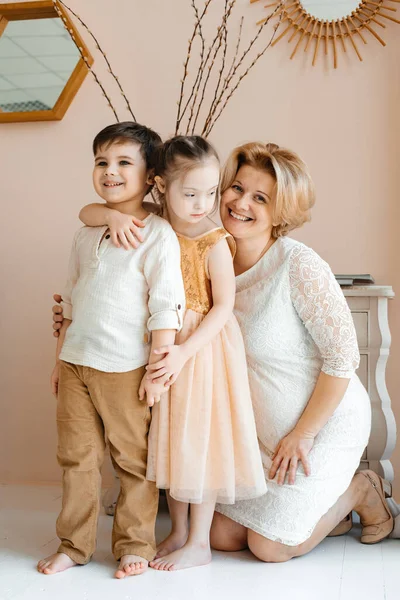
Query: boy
pixel 112 300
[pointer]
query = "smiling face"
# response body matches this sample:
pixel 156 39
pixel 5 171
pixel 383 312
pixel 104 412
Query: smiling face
pixel 120 173
pixel 192 197
pixel 247 205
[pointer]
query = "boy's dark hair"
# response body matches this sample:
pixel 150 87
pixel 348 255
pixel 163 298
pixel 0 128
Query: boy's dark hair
pixel 129 131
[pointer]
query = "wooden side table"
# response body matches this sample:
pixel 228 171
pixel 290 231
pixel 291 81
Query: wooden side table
pixel 369 308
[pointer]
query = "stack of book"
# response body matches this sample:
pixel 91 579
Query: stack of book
pixel 345 280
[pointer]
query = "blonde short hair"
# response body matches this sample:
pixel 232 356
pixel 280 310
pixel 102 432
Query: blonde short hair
pixel 294 193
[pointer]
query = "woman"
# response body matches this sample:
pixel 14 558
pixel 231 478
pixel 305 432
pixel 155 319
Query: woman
pixel 312 413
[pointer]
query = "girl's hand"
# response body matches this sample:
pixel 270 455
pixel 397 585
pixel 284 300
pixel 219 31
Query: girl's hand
pixel 55 376
pixel 152 391
pixel 166 370
pixel 124 230
pixel 57 315
pixel 293 448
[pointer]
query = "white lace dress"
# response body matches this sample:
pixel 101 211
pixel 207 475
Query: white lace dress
pixel 295 322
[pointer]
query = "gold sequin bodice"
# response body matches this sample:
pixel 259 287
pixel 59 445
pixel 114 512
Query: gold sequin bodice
pixel 194 253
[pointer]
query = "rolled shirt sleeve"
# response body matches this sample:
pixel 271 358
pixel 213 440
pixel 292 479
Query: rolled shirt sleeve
pixel 72 278
pixel 162 270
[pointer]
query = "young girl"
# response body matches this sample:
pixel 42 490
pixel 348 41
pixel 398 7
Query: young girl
pixel 202 445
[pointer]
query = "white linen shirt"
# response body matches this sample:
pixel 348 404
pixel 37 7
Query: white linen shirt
pixel 115 297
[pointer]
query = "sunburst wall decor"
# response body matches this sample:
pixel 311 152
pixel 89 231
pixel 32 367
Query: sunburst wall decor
pixel 319 26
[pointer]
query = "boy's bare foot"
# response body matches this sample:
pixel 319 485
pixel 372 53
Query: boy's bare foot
pixel 173 542
pixel 190 555
pixel 131 564
pixel 55 564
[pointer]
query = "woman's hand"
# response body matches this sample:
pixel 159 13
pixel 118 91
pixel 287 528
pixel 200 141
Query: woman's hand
pixel 124 230
pixel 167 369
pixel 292 449
pixel 58 316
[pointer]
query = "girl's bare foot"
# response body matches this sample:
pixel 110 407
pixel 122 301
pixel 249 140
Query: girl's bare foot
pixel 55 564
pixel 173 542
pixel 190 555
pixel 131 564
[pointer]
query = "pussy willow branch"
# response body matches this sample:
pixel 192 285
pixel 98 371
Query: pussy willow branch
pixel 227 81
pixel 181 113
pixel 200 72
pixel 259 55
pixel 237 47
pixel 227 15
pixel 218 39
pixel 221 38
pixel 222 69
pixel 99 48
pixel 85 58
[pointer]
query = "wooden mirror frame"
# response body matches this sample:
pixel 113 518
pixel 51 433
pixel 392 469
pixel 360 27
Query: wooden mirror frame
pixel 47 9
pixel 335 34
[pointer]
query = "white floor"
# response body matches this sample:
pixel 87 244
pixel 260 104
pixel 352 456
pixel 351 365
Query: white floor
pixel 339 569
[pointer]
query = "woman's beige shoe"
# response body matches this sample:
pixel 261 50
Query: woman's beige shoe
pixel 374 529
pixel 343 527
pixel 396 529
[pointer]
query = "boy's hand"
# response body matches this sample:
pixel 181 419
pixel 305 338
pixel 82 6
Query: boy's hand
pixel 124 230
pixel 166 370
pixel 152 391
pixel 55 376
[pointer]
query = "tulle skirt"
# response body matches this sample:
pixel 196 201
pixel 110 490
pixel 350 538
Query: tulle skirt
pixel 202 441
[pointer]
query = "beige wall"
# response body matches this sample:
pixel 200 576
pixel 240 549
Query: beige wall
pixel 344 123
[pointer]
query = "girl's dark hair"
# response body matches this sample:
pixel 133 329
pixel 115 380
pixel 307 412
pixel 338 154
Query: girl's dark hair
pixel 178 155
pixel 188 149
pixel 129 131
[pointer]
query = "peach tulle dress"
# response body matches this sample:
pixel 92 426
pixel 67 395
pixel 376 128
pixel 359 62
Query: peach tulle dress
pixel 203 442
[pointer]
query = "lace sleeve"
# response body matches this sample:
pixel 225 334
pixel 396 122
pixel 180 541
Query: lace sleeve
pixel 321 306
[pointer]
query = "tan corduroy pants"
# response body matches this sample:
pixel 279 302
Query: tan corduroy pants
pixel 94 407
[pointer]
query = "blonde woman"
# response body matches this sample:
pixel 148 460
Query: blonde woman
pixel 312 413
